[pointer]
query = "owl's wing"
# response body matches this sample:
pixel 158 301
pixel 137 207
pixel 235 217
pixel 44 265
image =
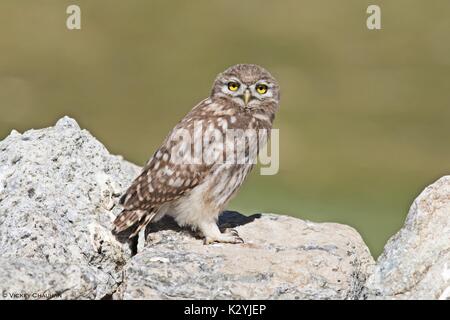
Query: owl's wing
pixel 163 179
pixel 159 182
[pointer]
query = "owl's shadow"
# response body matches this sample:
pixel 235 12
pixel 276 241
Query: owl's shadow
pixel 228 219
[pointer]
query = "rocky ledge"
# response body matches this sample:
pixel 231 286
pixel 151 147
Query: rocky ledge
pixel 59 190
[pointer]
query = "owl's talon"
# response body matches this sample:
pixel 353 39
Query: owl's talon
pixel 235 234
pixel 224 238
pixel 232 231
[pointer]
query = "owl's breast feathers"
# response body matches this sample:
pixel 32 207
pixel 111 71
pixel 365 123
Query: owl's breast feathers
pixel 163 180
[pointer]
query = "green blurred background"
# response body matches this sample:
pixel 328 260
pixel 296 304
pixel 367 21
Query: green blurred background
pixel 364 120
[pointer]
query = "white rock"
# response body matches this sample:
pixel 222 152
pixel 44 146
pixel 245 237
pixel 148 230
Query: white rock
pixel 52 213
pixel 59 189
pixel 282 258
pixel 414 264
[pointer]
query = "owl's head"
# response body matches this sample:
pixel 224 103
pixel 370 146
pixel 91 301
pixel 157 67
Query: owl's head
pixel 248 85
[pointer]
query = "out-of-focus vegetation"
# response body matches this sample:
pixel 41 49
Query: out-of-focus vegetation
pixel 364 121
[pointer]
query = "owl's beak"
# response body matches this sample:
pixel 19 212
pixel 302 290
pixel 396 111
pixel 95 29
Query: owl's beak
pixel 247 96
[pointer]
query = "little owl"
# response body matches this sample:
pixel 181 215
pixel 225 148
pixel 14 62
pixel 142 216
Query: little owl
pixel 194 192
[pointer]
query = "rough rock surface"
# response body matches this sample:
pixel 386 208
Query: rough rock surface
pixel 57 188
pixel 282 258
pixel 415 263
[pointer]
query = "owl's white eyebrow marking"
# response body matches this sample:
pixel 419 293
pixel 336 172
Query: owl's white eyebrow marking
pixel 232 79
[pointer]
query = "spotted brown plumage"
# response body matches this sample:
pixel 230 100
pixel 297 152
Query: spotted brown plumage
pixel 243 98
pixel 159 182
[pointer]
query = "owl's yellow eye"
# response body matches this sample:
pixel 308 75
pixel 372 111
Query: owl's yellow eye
pixel 233 86
pixel 261 88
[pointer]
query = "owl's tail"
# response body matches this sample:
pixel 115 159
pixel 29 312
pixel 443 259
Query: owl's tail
pixel 132 219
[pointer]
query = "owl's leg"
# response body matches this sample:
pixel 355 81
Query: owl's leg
pixel 211 234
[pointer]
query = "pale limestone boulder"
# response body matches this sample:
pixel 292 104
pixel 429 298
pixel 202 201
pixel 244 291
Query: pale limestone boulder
pixel 415 263
pixel 282 258
pixel 58 190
